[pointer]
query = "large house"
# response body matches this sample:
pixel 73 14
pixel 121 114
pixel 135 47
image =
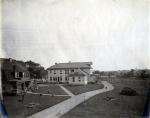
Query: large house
pixel 71 72
pixel 15 76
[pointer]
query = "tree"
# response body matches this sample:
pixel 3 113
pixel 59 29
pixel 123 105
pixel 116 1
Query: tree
pixel 36 70
pixel 144 74
pixel 96 72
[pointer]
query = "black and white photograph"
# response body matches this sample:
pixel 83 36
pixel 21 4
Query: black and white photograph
pixel 74 59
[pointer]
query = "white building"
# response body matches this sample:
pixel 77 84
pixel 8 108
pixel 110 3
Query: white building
pixel 72 72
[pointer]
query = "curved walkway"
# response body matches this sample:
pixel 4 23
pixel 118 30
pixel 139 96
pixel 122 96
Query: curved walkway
pixel 58 110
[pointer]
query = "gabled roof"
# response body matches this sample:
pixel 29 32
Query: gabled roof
pixel 79 72
pixel 7 64
pixel 71 65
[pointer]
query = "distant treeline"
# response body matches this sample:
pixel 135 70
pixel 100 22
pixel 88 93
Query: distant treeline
pixel 138 73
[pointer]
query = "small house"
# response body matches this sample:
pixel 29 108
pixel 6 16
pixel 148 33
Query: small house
pixel 15 77
pixel 78 77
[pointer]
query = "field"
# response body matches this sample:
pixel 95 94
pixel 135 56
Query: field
pixel 119 106
pixel 50 89
pixel 78 89
pixel 17 109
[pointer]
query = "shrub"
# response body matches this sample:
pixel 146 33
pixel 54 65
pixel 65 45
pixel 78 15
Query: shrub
pixel 128 92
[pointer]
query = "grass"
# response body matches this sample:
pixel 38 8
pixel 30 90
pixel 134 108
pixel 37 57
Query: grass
pixel 18 109
pixel 120 107
pixel 50 89
pixel 78 89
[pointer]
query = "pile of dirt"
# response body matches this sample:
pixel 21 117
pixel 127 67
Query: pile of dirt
pixel 128 91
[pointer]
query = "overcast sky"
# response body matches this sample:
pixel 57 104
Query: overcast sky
pixel 113 34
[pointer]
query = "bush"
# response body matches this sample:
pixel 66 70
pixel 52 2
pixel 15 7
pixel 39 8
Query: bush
pixel 128 92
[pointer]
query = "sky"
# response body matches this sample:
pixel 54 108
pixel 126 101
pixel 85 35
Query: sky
pixel 113 34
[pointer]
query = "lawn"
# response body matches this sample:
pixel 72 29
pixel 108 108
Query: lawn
pixel 17 109
pixel 78 89
pixel 50 89
pixel 119 107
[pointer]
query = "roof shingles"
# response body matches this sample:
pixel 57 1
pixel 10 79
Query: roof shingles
pixel 71 65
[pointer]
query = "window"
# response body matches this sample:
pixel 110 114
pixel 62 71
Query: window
pixel 73 79
pixel 66 78
pixel 56 78
pixel 72 70
pixel 54 71
pixel 79 79
pixel 53 78
pixel 60 78
pixel 60 71
pixel 66 71
pixel 16 75
pixel 20 74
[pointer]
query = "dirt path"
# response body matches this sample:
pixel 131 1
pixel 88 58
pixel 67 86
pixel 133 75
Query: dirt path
pixel 58 110
pixel 66 90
